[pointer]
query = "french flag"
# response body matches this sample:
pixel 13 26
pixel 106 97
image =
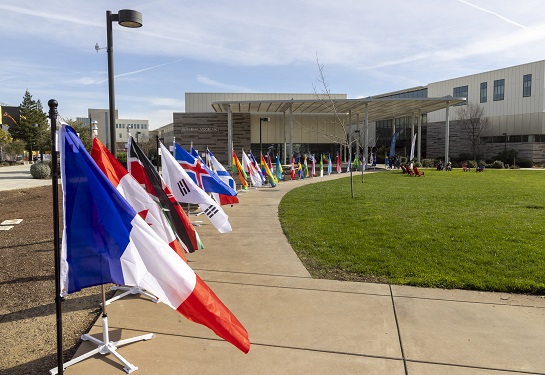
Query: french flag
pixel 106 241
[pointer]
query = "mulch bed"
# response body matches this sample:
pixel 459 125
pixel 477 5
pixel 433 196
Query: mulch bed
pixel 27 288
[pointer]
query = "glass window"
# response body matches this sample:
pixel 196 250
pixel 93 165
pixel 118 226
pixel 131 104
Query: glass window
pixel 460 92
pixel 527 85
pixel 484 89
pixel 499 88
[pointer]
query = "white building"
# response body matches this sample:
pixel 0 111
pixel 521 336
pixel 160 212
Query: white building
pixel 138 128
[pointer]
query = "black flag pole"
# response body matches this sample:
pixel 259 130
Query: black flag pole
pixel 56 235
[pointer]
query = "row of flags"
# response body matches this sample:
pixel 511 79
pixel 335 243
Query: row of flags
pixel 126 227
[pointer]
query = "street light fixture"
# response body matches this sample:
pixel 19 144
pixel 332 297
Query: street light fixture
pixel 94 129
pixel 262 119
pixel 127 18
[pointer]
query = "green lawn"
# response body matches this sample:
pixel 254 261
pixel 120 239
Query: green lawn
pixel 468 230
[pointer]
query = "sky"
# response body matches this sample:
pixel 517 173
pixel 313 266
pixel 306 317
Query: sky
pixel 253 46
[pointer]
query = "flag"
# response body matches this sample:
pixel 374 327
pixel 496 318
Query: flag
pixel 186 190
pixel 339 164
pixel 329 164
pixel 278 170
pixel 393 145
pixel 254 162
pixel 356 163
pixel 272 180
pixel 143 171
pixel 412 147
pixel 136 196
pixel 105 241
pixel 293 168
pixel 201 174
pixel 305 166
pixel 349 161
pixel 248 166
pixel 240 170
pixel 300 171
pixel 313 167
pixel 269 163
pixel 321 166
pixel 222 173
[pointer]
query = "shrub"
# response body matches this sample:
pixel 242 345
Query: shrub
pixel 122 158
pixel 472 164
pixel 497 164
pixel 428 163
pixel 40 170
pixel 524 163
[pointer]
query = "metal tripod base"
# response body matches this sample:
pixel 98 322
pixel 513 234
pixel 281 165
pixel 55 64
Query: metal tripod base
pixel 106 347
pixel 130 290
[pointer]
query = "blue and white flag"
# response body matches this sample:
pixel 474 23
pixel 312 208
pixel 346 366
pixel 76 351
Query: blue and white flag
pixel 225 176
pixel 329 166
pixel 393 145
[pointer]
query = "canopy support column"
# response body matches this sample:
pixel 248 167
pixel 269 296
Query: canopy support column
pixel 447 129
pixel 419 137
pixel 229 133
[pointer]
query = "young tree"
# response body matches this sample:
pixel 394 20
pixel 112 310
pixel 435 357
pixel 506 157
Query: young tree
pixel 344 139
pixel 473 124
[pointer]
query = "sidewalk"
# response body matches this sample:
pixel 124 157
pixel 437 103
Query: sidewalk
pixel 299 325
pixel 19 177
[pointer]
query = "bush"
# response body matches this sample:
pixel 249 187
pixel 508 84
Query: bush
pixel 497 164
pixel 524 163
pixel 40 170
pixel 122 158
pixel 428 163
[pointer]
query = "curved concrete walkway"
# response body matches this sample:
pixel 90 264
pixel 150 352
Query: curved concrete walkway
pixel 299 325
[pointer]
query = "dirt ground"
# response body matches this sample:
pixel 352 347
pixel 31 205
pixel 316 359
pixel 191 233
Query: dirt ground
pixel 27 288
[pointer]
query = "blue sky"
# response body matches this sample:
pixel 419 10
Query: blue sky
pixel 366 48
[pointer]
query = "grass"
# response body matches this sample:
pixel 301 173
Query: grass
pixel 467 230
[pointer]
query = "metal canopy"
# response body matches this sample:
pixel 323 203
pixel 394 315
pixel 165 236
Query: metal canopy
pixel 377 109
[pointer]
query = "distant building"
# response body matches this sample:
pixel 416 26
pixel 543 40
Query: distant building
pixel 138 128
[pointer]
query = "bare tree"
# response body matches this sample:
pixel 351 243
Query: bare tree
pixel 327 99
pixel 473 124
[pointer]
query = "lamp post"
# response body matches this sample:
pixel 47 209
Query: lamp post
pixel 94 129
pixel 127 18
pixel 137 134
pixel 262 119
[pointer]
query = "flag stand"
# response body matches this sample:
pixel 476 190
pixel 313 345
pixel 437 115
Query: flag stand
pixel 130 290
pixel 105 346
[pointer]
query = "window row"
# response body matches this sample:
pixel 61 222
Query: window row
pixel 532 138
pixel 499 90
pixel 131 126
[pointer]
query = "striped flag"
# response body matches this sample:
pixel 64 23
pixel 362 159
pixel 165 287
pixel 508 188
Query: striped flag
pixel 240 170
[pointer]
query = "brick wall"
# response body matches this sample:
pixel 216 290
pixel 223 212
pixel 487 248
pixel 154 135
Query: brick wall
pixel 460 144
pixel 210 129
